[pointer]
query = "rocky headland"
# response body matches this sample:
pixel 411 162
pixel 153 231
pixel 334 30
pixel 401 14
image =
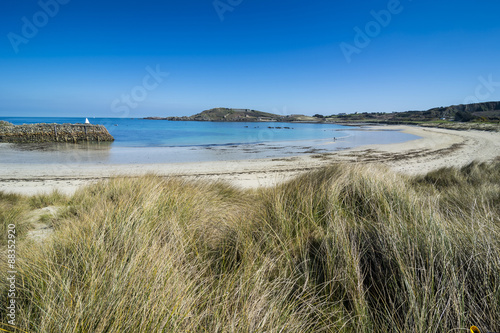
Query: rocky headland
pixel 235 115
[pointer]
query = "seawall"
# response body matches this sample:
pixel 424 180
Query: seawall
pixel 35 133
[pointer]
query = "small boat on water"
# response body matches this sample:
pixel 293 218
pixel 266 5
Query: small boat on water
pixel 87 121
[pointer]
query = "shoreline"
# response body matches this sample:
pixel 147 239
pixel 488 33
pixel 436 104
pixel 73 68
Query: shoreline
pixel 435 149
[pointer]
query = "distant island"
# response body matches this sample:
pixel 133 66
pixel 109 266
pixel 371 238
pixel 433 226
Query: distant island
pixel 233 115
pixel 484 116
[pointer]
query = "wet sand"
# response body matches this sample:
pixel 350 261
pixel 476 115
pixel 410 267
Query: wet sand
pixel 436 148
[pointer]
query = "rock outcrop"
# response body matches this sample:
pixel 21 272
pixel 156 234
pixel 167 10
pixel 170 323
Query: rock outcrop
pixel 36 133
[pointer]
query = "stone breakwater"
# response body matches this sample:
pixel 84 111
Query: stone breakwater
pixel 72 133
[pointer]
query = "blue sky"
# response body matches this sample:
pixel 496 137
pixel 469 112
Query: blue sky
pixel 134 58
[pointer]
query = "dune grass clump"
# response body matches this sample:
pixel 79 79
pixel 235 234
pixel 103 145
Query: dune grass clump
pixel 341 249
pixel 15 209
pixel 398 251
pixel 12 207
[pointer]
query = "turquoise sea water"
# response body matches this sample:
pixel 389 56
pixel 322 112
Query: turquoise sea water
pixel 160 141
pixel 160 133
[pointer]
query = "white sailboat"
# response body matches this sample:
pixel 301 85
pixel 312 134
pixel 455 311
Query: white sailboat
pixel 87 121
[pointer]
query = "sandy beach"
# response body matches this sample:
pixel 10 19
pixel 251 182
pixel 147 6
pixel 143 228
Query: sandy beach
pixel 436 148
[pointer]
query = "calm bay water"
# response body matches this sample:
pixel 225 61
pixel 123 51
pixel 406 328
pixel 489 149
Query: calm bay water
pixel 159 141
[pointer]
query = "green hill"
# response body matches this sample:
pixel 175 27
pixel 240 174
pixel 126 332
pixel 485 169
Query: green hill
pixel 485 112
pixel 230 114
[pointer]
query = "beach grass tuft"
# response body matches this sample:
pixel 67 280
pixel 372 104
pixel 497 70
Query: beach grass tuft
pixel 347 248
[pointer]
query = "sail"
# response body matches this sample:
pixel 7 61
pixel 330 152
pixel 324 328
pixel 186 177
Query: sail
pixel 87 121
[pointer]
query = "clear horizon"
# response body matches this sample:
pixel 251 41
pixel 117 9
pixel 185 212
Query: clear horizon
pixel 64 58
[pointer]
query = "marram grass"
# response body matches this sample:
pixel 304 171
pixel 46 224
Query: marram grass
pixel 342 249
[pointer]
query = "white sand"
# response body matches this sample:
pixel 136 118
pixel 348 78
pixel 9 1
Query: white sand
pixel 436 148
